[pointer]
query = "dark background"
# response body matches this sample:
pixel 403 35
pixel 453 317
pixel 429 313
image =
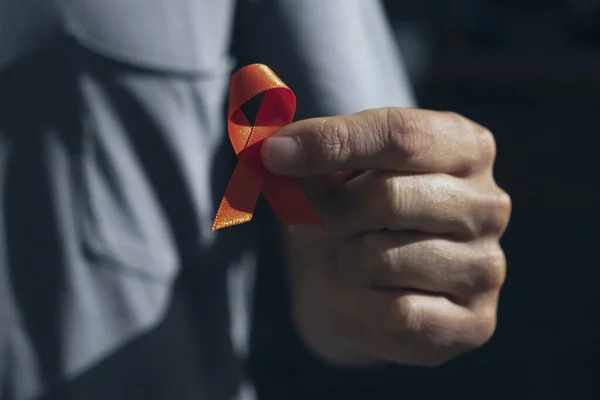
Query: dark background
pixel 530 72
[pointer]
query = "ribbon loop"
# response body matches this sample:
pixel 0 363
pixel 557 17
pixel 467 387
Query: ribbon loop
pixel 250 177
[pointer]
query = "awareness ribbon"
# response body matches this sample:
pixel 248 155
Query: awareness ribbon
pixel 250 177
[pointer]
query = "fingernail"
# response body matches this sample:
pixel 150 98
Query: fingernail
pixel 281 152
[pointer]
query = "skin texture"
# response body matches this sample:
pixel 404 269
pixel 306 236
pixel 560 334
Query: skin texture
pixel 409 267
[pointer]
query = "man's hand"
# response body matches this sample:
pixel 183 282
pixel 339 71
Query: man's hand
pixel 409 267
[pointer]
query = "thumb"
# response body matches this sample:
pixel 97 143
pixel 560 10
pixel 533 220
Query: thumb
pixel 320 146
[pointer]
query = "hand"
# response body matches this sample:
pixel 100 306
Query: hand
pixel 409 267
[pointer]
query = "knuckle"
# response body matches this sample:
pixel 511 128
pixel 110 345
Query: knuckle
pixel 332 139
pixel 403 326
pixel 465 226
pixel 489 270
pixel 457 206
pixel 483 136
pixel 498 209
pixel 396 198
pixel 487 144
pixel 391 198
pixel 411 318
pixel 406 197
pixel 481 331
pixel 404 134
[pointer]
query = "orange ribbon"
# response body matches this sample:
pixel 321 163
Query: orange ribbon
pixel 250 177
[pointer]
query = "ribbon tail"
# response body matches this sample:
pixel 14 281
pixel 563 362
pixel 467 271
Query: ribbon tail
pixel 289 202
pixel 241 195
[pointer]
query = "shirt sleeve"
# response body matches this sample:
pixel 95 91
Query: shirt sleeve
pixel 339 56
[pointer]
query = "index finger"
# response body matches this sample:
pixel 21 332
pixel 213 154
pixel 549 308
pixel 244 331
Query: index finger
pixel 394 139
